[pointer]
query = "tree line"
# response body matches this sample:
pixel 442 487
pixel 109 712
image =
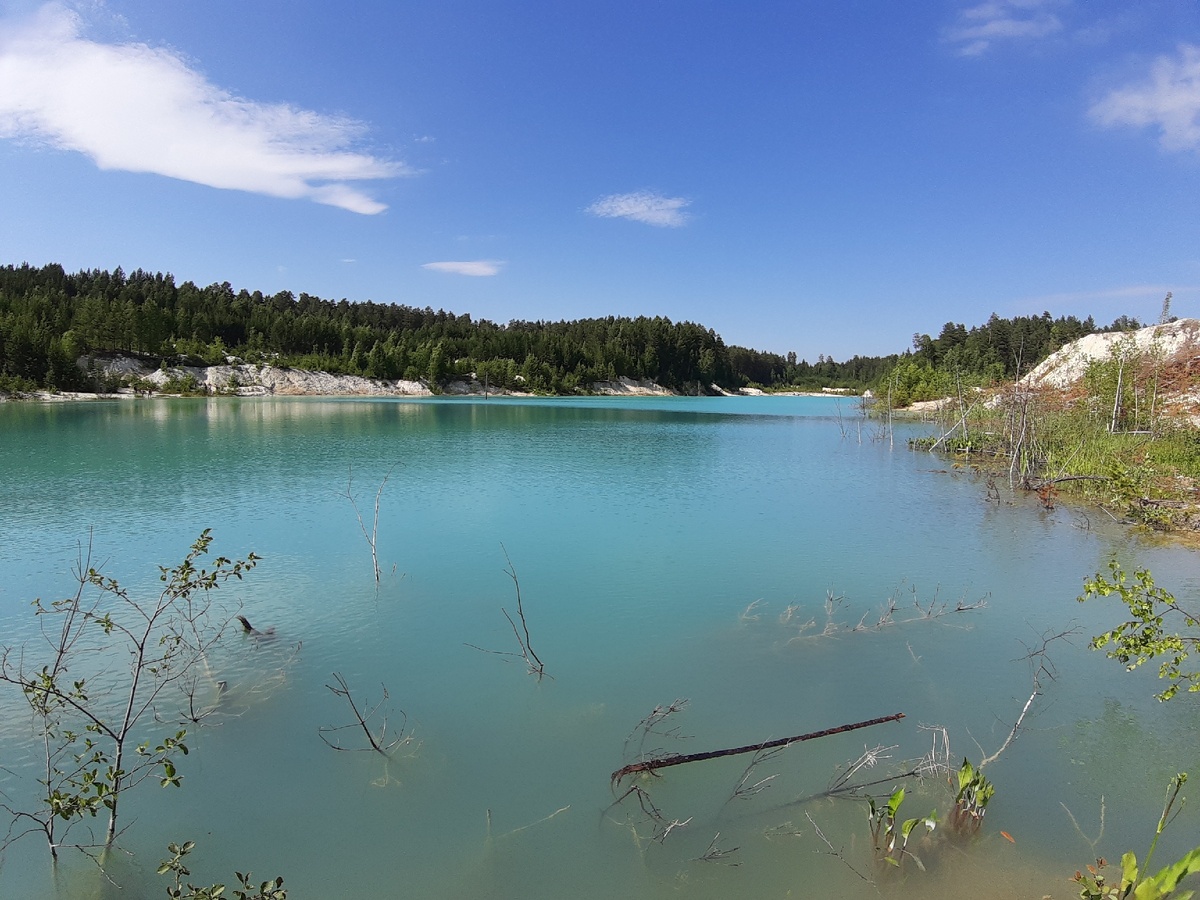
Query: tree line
pixel 1000 350
pixel 50 319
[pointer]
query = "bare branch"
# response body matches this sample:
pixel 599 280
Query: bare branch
pixel 380 742
pixel 833 851
pixel 1042 667
pixel 533 662
pixel 653 765
pixel 372 536
pixel 744 791
pixel 717 854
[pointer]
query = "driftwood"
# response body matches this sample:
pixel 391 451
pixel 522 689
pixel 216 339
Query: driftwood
pixel 254 632
pixel 678 759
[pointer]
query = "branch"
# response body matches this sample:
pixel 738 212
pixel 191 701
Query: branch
pixel 380 744
pixel 532 660
pixel 373 535
pixel 652 765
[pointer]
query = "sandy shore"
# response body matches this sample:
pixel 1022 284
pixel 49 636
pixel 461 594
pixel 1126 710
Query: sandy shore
pixel 245 380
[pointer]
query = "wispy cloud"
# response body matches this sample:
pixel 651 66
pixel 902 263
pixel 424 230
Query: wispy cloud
pixel 1147 295
pixel 1169 100
pixel 475 267
pixel 980 26
pixel 642 206
pixel 143 109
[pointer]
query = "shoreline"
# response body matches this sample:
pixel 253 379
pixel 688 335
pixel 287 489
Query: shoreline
pixel 46 396
pixel 236 379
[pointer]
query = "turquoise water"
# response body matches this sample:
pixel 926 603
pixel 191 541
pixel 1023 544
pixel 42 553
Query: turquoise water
pixel 665 548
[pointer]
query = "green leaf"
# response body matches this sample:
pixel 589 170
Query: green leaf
pixel 1129 869
pixel 1169 877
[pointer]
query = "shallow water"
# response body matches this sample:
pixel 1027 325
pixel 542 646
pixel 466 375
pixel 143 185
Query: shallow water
pixel 665 548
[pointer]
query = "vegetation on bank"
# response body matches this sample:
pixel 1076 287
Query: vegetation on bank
pixel 49 319
pixel 1113 439
pixel 999 351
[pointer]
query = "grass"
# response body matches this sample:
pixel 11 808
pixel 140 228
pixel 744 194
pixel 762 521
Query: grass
pixel 1042 439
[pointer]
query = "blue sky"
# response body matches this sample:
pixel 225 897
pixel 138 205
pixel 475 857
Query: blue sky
pixel 823 177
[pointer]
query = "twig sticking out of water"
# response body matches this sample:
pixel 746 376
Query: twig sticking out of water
pixel 371 537
pixel 381 742
pixel 743 790
pixel 650 725
pixel 536 667
pixel 871 756
pixel 662 826
pixel 1091 842
pixel 532 661
pixel 562 809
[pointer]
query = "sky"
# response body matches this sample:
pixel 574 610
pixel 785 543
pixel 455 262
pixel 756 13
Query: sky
pixel 818 177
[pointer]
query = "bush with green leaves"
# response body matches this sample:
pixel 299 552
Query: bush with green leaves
pixel 106 729
pixel 246 890
pixel 1147 635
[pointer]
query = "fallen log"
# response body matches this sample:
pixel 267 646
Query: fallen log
pixel 249 629
pixel 678 759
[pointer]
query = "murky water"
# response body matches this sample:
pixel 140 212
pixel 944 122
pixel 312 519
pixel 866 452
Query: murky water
pixel 739 553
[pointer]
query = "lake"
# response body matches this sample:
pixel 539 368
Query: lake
pixel 741 554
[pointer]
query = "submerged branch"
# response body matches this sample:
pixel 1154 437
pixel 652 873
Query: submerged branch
pixel 652 765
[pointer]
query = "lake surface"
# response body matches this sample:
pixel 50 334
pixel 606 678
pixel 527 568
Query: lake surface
pixel 665 549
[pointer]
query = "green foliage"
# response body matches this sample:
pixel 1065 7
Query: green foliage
pixel 186 384
pixel 246 890
pixel 1130 488
pixel 1176 447
pixel 150 315
pixel 1145 636
pixel 103 736
pixel 971 800
pixel 1001 349
pixel 890 836
pixel 1135 882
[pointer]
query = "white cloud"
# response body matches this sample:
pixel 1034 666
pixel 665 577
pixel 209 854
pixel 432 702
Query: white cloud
pixel 642 206
pixel 995 20
pixel 1128 292
pixel 477 267
pixel 1169 100
pixel 140 109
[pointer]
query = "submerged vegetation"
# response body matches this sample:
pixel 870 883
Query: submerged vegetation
pixel 86 724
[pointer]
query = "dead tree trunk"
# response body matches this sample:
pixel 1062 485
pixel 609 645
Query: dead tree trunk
pixel 678 759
